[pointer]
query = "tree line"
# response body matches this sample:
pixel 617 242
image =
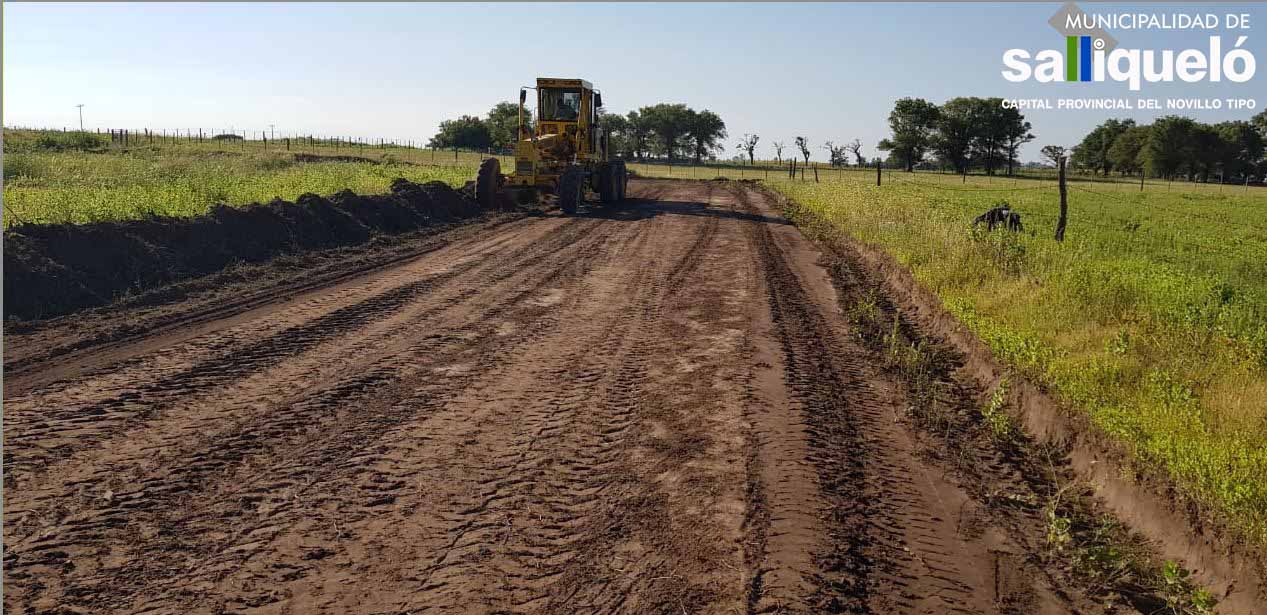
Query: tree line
pixel 1173 146
pixel 962 133
pixel 666 130
pixel 497 130
pixel 673 131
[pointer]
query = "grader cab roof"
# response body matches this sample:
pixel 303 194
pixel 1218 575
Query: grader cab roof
pixel 554 82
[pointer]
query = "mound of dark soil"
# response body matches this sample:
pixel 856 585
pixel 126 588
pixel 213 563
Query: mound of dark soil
pixel 51 270
pixel 333 158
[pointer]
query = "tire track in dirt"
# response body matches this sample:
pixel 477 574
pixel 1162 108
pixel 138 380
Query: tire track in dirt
pixel 213 454
pixel 93 410
pixel 657 408
pixel 892 536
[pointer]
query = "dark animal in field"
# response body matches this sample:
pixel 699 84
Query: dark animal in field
pixel 1000 216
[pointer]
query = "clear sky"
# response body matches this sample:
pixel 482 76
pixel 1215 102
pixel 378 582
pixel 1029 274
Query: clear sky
pixel 825 71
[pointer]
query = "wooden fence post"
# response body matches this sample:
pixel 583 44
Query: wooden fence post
pixel 1064 203
pixel 1141 180
pixel 816 173
pixel 879 170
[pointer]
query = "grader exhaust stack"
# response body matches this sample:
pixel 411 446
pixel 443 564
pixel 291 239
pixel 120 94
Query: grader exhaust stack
pixel 564 151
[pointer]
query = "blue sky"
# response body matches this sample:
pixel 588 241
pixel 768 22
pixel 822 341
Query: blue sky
pixel 825 71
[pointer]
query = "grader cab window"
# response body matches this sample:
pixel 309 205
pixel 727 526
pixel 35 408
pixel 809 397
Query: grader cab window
pixel 558 105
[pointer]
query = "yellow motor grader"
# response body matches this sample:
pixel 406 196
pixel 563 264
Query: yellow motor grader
pixel 565 152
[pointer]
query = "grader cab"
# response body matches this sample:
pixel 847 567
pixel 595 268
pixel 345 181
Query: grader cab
pixel 563 151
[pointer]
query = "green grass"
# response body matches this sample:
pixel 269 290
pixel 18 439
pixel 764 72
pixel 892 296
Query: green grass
pixel 69 178
pixel 1151 317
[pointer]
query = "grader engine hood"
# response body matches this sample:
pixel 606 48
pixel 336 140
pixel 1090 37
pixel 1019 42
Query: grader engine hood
pixel 556 147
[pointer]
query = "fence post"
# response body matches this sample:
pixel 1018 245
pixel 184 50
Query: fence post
pixel 1141 180
pixel 878 172
pixel 1064 203
pixel 816 173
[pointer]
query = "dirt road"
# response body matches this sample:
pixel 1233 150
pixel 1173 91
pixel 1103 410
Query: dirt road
pixel 655 409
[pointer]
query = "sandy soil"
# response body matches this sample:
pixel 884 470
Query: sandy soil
pixel 658 408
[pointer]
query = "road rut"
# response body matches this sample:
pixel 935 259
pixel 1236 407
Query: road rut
pixel 656 408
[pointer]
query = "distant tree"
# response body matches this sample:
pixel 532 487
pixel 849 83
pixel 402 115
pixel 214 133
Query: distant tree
pixel 855 146
pixel 1241 148
pixel 1093 152
pixel 705 131
pixel 749 145
pixel 956 132
pixel 1124 154
pixel 1053 153
pixel 468 132
pixel 778 151
pixel 803 145
pixel 1169 146
pixel 1205 153
pixel 669 123
pixel 912 122
pixel 837 155
pixel 617 129
pixel 1016 132
pixel 637 133
pixel 503 124
pixel 989 131
pixel 1260 123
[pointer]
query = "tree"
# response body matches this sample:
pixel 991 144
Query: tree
pixel 955 133
pixel 855 146
pixel 1241 148
pixel 503 124
pixel 1205 152
pixel 803 145
pixel 1260 122
pixel 1169 145
pixel 705 130
pixel 911 121
pixel 1053 153
pixel 778 150
pixel 1016 132
pixel 468 132
pixel 749 144
pixel 669 123
pixel 837 154
pixel 1124 154
pixel 617 128
pixel 1093 152
pixel 638 133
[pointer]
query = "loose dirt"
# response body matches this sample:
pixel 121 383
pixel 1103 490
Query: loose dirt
pixel 657 408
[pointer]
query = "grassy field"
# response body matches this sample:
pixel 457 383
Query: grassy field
pixel 1151 317
pixel 54 177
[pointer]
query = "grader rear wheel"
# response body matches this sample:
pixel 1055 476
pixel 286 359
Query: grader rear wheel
pixel 620 175
pixel 571 190
pixel 607 178
pixel 488 183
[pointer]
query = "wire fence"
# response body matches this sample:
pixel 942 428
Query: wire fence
pixel 1125 216
pixel 271 141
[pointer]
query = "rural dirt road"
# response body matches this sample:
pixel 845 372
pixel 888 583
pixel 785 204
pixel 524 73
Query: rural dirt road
pixel 659 408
